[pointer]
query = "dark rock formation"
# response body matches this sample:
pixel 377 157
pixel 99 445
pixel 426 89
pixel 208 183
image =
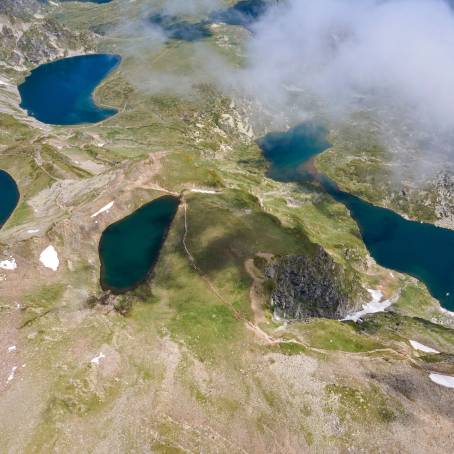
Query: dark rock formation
pixel 313 285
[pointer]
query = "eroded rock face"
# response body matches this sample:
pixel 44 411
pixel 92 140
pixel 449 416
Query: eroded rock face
pixel 313 285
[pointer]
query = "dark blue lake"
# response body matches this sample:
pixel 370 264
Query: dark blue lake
pixel 421 250
pixel 175 28
pixel 130 248
pixel 9 196
pixel 61 92
pixel 243 13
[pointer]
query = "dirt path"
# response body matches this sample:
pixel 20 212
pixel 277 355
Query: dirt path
pixel 238 315
pixel 256 292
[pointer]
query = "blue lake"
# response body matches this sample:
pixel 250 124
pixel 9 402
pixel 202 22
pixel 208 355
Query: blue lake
pixel 420 250
pixel 174 28
pixel 9 196
pixel 243 13
pixel 61 92
pixel 130 247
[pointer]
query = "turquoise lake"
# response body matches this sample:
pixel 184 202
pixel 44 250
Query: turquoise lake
pixel 9 196
pixel 130 247
pixel 418 249
pixel 61 92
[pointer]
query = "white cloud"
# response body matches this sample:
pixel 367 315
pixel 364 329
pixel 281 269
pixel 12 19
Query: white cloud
pixel 193 7
pixel 345 54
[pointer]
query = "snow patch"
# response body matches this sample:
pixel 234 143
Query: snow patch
pixel 103 209
pixel 8 264
pixel 372 307
pixel 205 191
pixel 33 231
pixel 421 347
pixel 443 380
pixel 11 375
pixel 11 349
pixel 97 359
pixel 49 258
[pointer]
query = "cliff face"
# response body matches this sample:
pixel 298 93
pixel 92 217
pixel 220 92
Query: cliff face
pixel 312 286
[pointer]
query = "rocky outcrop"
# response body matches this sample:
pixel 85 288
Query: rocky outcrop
pixel 28 40
pixel 444 209
pixel 313 285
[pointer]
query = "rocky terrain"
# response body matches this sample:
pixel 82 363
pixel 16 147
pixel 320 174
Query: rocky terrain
pixel 313 286
pixel 193 359
pixel 411 180
pixel 21 8
pixel 28 38
pixel 444 209
pixel 24 44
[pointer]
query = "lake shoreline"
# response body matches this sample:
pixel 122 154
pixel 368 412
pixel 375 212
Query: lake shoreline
pixel 151 265
pixel 411 247
pixel 73 82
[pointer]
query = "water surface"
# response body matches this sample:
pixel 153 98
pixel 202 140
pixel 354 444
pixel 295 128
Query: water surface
pixel 288 151
pixel 182 30
pixel 421 250
pixel 130 248
pixel 61 92
pixel 9 196
pixel 243 13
